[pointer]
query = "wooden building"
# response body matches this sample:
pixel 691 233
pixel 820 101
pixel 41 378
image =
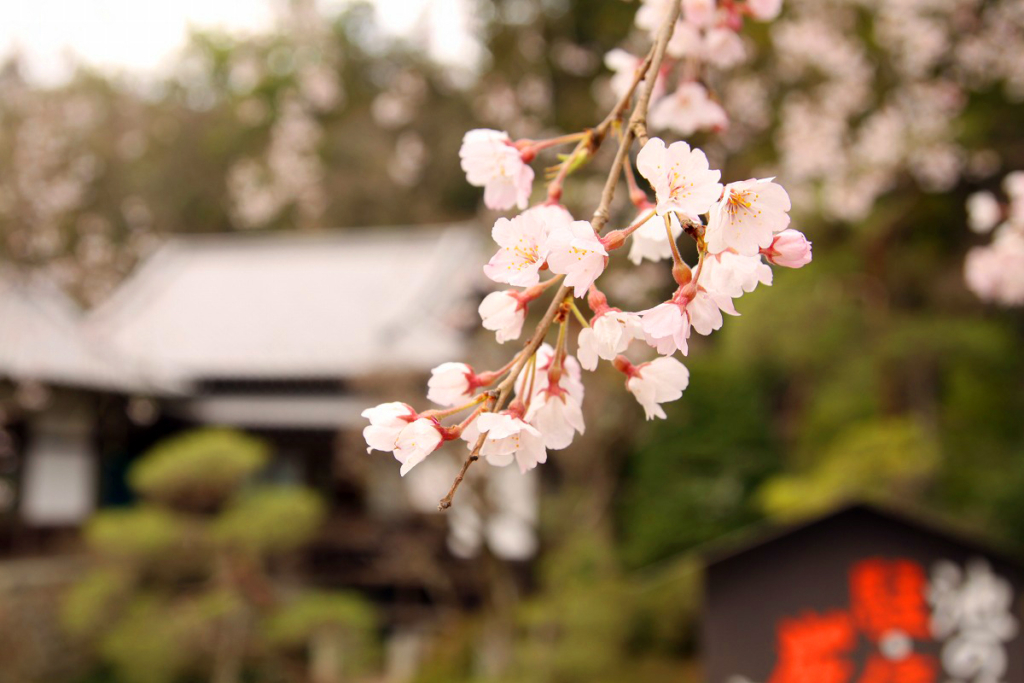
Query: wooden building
pixel 863 595
pixel 287 337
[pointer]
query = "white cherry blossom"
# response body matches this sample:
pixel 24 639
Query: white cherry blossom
pixel 660 381
pixel 983 212
pixel 523 251
pixel 680 177
pixel 508 438
pixel 623 65
pixel 576 252
pixel 415 442
pixel 688 110
pixel 790 249
pixel 386 421
pixel 748 216
pixel 451 384
pixel 557 413
pixel 609 334
pixel 995 272
pixel 650 240
pixel 493 163
pixel 504 314
pixel 733 275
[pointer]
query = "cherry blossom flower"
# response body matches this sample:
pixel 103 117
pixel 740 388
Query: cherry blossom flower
pixel 557 413
pixel 699 12
pixel 577 252
pixel 386 421
pixel 623 65
pixel 680 177
pixel 688 110
pixel 686 41
pixel 492 162
pixel 667 326
pixel 652 13
pixel 748 215
pixel 451 384
pixel 724 48
pixel 983 212
pixel 764 10
pixel 415 442
pixel 551 216
pixel 609 334
pixel 650 240
pixel 509 438
pixel 730 274
pixel 503 313
pixel 790 249
pixel 660 381
pixel 996 272
pixel 523 250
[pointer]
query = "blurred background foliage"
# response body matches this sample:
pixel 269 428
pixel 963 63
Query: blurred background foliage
pixel 871 373
pixel 195 586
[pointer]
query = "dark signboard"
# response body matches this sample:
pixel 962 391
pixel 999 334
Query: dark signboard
pixel 863 596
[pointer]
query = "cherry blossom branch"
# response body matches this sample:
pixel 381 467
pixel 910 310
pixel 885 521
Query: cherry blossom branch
pixel 651 64
pixel 637 120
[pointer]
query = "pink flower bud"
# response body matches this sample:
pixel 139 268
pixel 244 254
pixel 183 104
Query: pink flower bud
pixel 789 249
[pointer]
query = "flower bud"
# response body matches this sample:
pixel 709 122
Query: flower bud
pixel 790 249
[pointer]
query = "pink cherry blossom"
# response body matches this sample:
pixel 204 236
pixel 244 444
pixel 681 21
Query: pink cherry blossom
pixel 730 274
pixel 790 249
pixel 699 12
pixel 686 41
pixel 724 48
pixel 609 334
pixel 503 313
pixel 415 442
pixel 551 216
pixel 747 217
pixel 688 110
pixel 509 438
pixel 660 381
pixel 577 252
pixel 523 250
pixel 667 326
pixel 386 421
pixel 680 177
pixel 493 163
pixel 451 384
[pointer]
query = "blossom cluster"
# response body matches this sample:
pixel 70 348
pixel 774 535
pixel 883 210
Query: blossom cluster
pixel 740 230
pixel 706 34
pixel 995 272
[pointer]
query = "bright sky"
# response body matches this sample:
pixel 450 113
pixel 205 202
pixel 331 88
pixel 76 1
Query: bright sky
pixel 140 36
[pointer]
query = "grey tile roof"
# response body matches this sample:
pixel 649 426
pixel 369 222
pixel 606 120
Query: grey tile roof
pixel 42 338
pixel 266 306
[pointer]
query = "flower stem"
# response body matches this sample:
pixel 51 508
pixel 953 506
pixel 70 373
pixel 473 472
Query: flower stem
pixel 579 315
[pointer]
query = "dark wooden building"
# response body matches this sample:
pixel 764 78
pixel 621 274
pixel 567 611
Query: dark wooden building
pixel 863 595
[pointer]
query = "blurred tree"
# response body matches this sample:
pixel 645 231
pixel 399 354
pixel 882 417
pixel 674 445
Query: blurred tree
pixel 181 586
